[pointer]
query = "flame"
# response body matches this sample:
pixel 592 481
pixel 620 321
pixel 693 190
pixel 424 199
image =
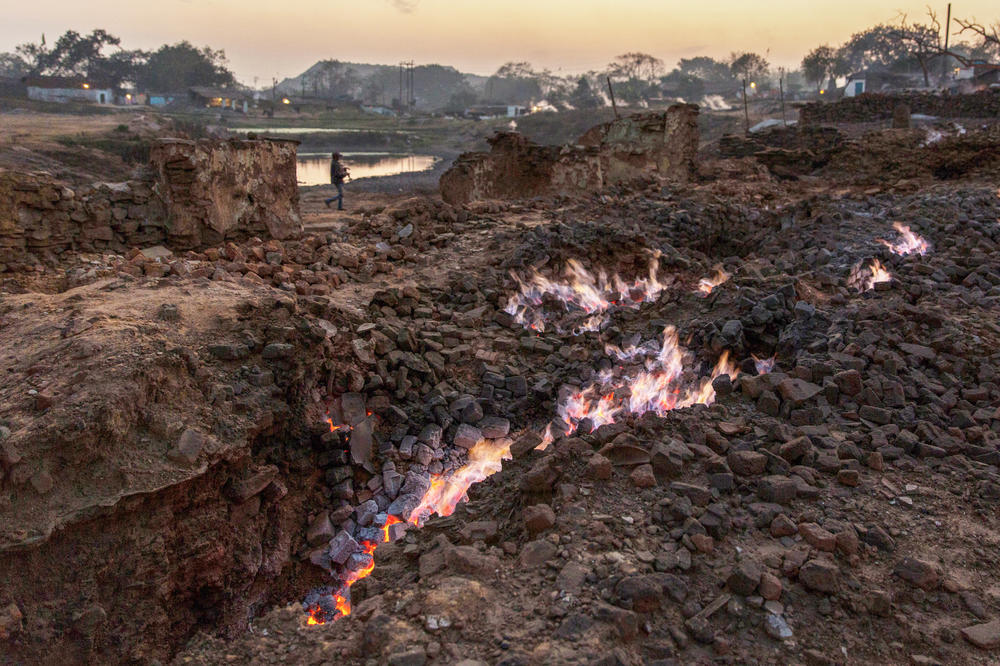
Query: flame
pixel 658 387
pixel 441 498
pixel 581 291
pixel 392 520
pixel 908 244
pixel 707 285
pixel 764 365
pixel 447 491
pixel 865 278
pixel 335 428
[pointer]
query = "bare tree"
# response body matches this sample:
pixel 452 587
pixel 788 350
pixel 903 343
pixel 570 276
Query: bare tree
pixel 990 34
pixel 923 41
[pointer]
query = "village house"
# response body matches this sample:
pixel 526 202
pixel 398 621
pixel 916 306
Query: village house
pixel 873 81
pixel 68 89
pixel 977 76
pixel 220 98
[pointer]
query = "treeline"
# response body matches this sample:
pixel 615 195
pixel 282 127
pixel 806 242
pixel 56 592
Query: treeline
pixel 904 47
pixel 99 56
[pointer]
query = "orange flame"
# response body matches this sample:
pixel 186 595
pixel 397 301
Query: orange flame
pixel 341 598
pixel 581 290
pixel 908 244
pixel 441 498
pixel 707 285
pixel 446 492
pixel 865 278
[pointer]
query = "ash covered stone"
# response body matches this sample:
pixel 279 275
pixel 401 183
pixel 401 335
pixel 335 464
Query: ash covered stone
pixel 342 547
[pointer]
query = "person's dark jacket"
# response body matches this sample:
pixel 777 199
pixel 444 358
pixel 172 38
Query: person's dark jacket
pixel 338 172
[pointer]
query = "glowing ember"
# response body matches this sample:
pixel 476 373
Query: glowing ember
pixel 658 387
pixel 441 498
pixel 707 285
pixel 580 293
pixel 764 365
pixel 864 278
pixel 908 244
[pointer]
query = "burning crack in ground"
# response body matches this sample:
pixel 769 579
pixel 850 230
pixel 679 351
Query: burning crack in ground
pixel 586 297
pixel 866 274
pixel 909 243
pixel 707 285
pixel 655 381
pixel 441 495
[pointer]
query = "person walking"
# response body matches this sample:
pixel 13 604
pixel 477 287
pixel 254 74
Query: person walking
pixel 338 174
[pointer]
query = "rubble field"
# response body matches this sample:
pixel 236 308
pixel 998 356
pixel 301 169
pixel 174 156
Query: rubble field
pixel 750 417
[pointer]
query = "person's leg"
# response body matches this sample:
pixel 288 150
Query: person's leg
pixel 340 196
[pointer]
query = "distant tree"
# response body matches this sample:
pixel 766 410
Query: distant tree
pixel 179 66
pixel 704 68
pixel 13 66
pixel 749 66
pixel 583 96
pixel 514 83
pixel 636 76
pixel 515 70
pixel 985 44
pixel 688 86
pixel 967 52
pixel 72 54
pixel 988 34
pixel 636 66
pixel 924 43
pixel 819 65
pixel 462 99
pixel 875 47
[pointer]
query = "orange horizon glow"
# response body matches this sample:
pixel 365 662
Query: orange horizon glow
pixel 265 39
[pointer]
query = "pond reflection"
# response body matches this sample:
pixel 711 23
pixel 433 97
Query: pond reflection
pixel 314 168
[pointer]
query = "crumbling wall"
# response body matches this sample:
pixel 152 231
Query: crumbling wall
pixel 219 190
pixel 194 194
pixel 624 149
pixel 787 152
pixel 875 107
pixel 41 217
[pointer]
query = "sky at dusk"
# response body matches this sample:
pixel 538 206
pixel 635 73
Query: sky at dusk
pixel 265 38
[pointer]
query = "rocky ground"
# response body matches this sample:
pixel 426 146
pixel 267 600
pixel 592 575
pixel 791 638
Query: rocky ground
pixel 840 507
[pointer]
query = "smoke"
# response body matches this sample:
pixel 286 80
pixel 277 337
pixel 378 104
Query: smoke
pixel 716 103
pixel 405 6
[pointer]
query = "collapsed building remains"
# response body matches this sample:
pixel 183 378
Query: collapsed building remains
pixel 193 194
pixel 615 152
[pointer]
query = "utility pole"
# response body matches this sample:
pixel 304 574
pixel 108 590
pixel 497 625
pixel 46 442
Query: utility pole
pixel 947 35
pixel 614 105
pixel 746 107
pixel 406 76
pixel 274 89
pixel 781 89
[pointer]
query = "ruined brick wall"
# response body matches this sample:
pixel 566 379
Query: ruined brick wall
pixel 875 107
pixel 43 217
pixel 219 190
pixel 624 149
pixel 194 194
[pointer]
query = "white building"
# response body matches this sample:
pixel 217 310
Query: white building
pixel 64 89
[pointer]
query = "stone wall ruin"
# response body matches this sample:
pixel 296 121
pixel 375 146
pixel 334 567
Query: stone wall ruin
pixel 624 149
pixel 193 194
pixel 872 107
